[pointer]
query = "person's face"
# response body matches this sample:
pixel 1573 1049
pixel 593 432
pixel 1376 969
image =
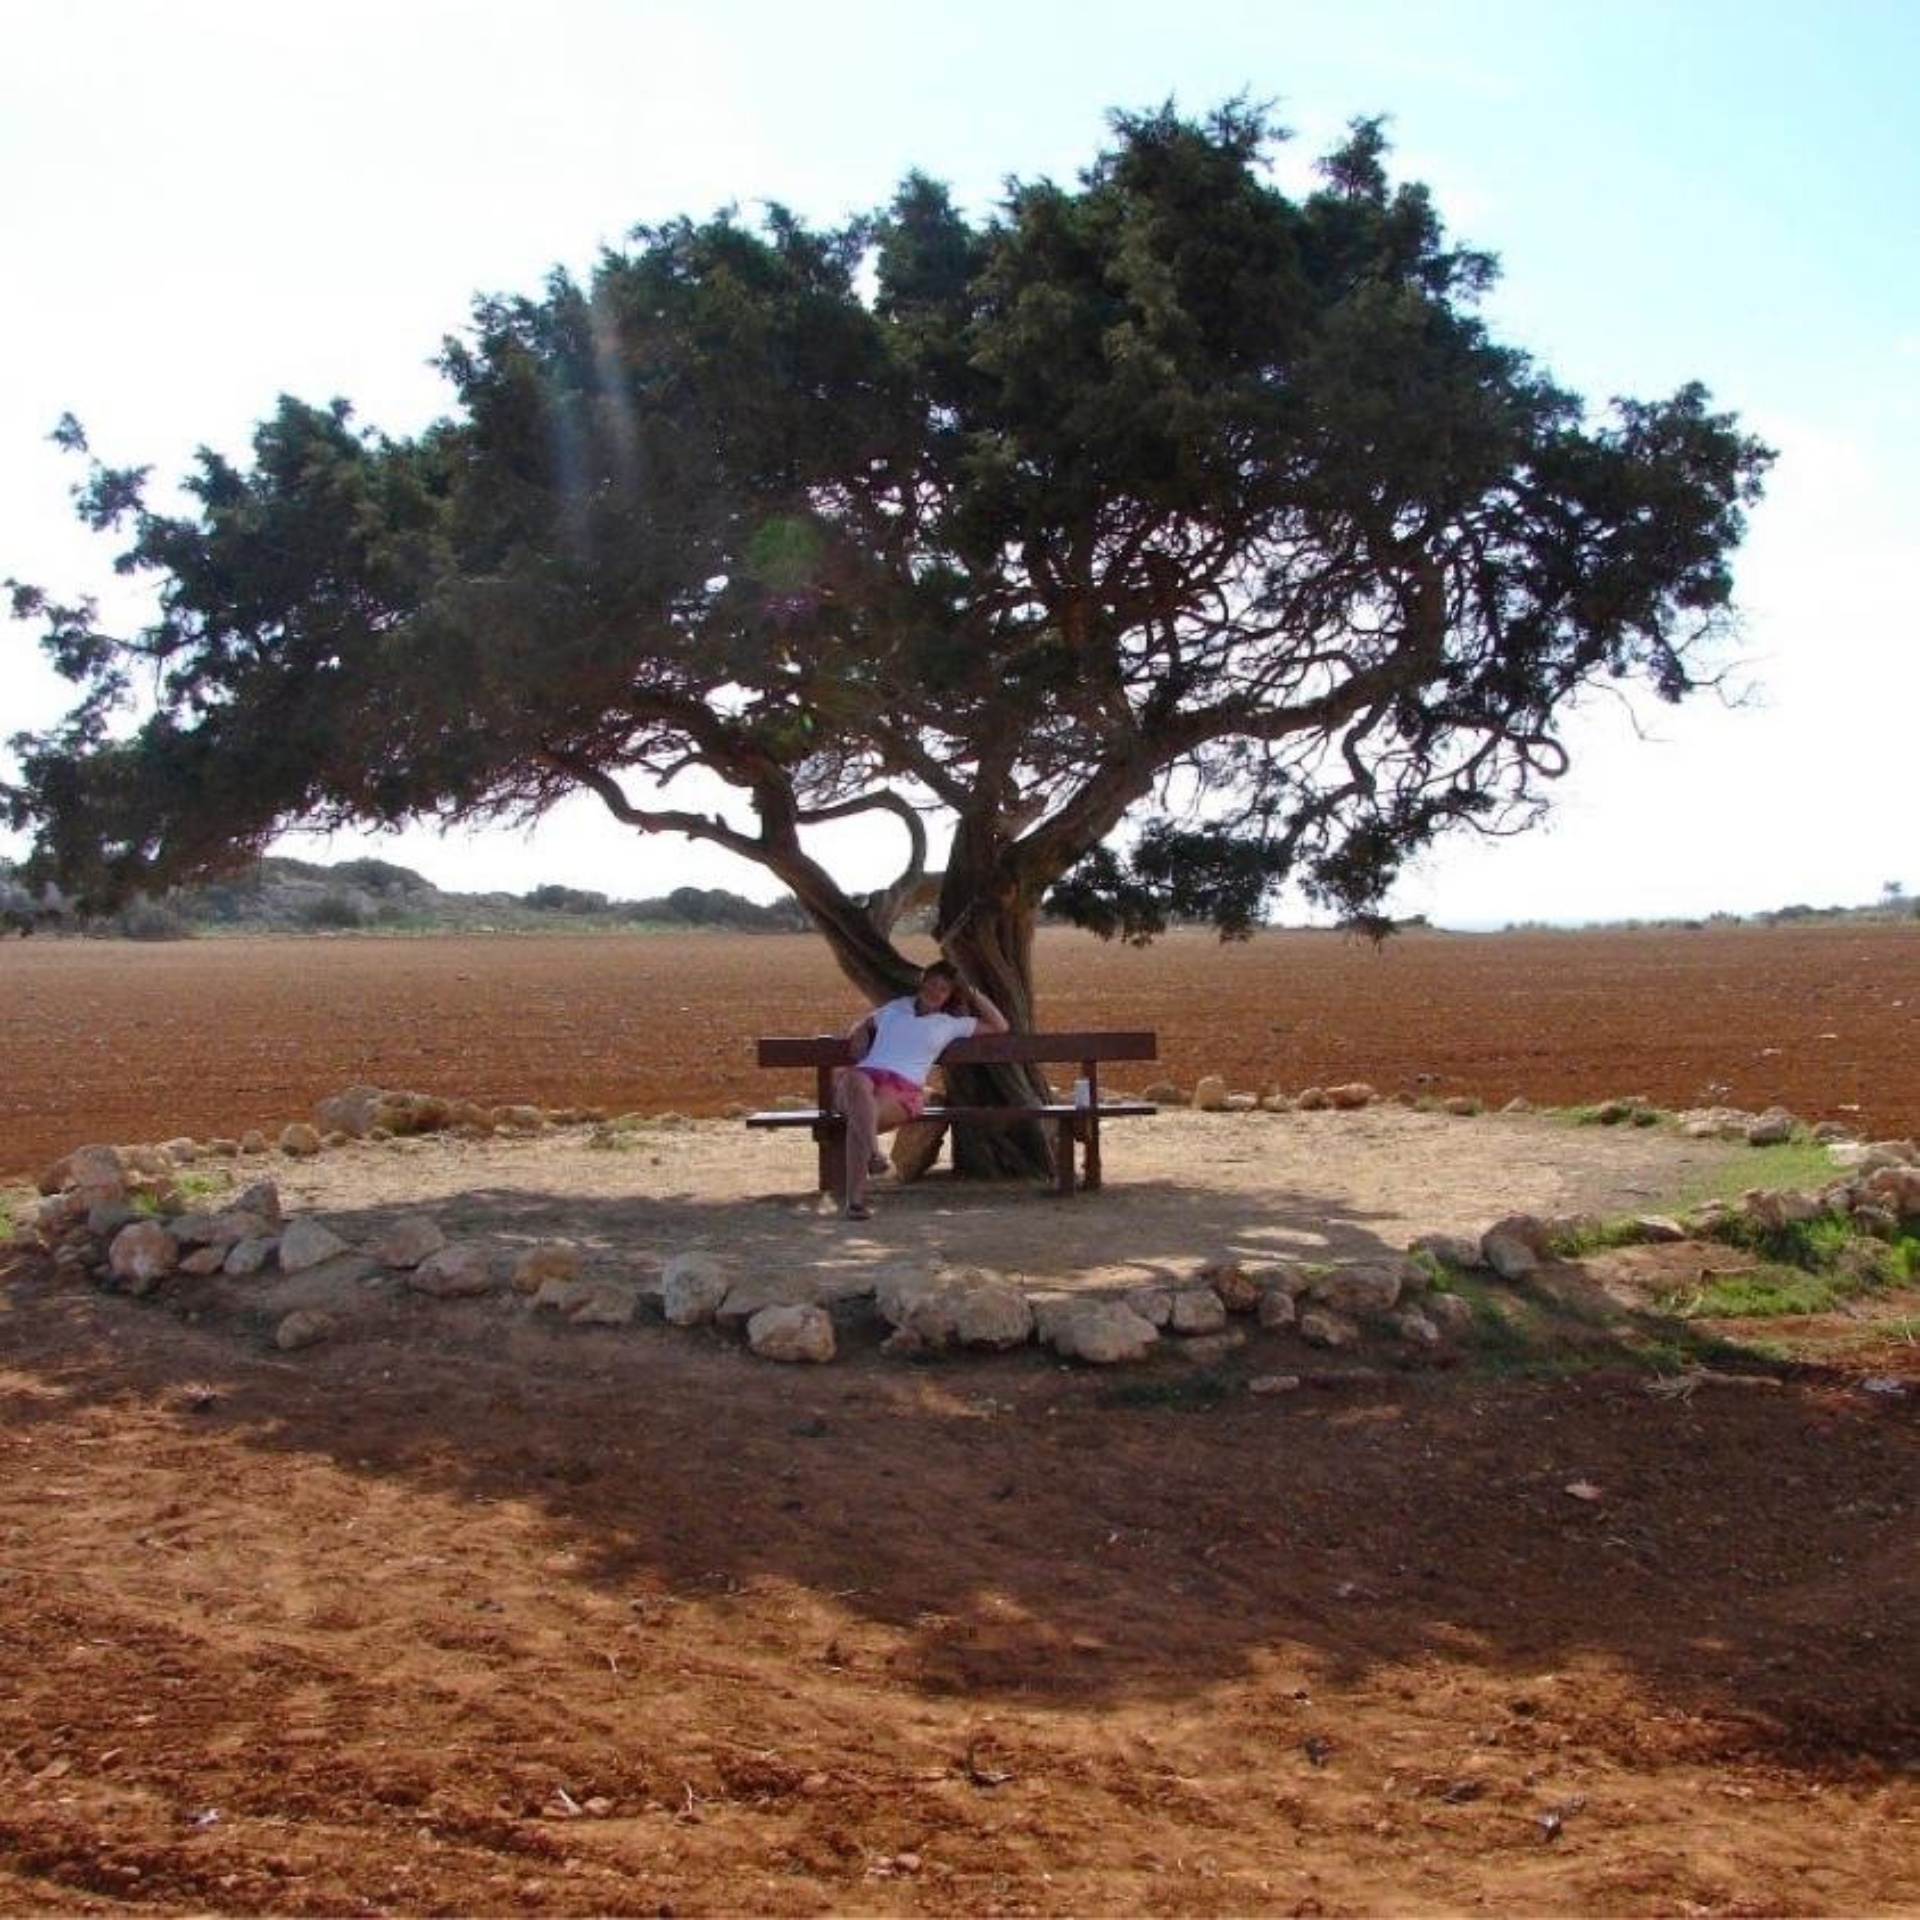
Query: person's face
pixel 935 991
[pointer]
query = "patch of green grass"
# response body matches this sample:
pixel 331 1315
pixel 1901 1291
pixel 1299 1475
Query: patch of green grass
pixel 1523 1335
pixel 1612 1113
pixel 1796 1164
pixel 203 1186
pixel 1903 1260
pixel 1766 1292
pixel 1595 1236
pixel 1804 1267
pixel 1828 1243
pixel 13 1208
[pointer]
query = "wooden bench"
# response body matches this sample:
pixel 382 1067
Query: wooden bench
pixel 1073 1125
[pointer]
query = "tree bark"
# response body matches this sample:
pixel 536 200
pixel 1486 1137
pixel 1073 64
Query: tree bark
pixel 985 925
pixel 986 928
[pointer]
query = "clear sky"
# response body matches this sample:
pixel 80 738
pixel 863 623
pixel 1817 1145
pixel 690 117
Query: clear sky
pixel 205 203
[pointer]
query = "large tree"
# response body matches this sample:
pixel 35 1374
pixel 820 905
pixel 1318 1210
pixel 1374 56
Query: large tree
pixel 1164 501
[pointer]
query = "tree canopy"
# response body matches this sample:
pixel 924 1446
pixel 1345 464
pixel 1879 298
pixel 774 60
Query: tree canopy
pixel 1141 546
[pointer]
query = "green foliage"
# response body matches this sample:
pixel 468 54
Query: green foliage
pixel 334 912
pixel 1614 1113
pixel 1765 1292
pixel 151 920
pixel 1595 1236
pixel 1794 1165
pixel 1528 1333
pixel 1803 1267
pixel 1164 484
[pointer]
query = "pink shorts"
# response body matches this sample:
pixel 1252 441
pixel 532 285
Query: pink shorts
pixel 896 1086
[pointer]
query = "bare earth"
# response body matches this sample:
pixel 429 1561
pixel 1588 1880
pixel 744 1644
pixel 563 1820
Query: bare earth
pixel 118 1041
pixel 469 1611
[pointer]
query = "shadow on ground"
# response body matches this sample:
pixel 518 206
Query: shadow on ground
pixel 1034 1534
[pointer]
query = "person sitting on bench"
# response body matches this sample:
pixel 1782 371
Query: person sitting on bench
pixel 897 1045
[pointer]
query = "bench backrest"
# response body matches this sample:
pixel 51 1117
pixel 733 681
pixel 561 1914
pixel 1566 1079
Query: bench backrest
pixel 832 1050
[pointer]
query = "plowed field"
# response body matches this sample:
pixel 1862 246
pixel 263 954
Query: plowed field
pixel 128 1042
pixel 470 1610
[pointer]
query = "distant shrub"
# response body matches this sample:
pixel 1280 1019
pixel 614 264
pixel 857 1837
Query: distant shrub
pixel 557 899
pixel 379 876
pixel 337 912
pixel 151 920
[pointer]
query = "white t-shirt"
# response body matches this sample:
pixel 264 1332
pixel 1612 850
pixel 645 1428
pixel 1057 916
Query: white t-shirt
pixel 908 1043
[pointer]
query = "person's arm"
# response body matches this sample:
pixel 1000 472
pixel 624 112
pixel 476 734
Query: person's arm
pixel 991 1019
pixel 860 1036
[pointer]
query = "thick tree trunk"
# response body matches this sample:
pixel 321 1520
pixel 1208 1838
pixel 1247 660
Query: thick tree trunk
pixel 985 925
pixel 987 930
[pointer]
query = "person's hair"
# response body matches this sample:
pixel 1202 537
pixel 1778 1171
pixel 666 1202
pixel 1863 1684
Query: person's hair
pixel 943 967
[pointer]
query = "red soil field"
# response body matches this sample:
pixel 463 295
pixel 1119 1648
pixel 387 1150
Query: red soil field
pixel 134 1042
pixel 479 1613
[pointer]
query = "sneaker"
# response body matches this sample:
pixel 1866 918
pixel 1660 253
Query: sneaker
pixel 857 1210
pixel 878 1165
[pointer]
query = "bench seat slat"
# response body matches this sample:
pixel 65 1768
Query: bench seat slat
pixel 1074 1126
pixel 1004 1116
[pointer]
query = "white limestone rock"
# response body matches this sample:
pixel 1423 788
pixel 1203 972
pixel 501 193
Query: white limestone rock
pixel 554 1261
pixel 1416 1328
pixel 461 1270
pixel 1278 1309
pixel 587 1303
pixel 1451 1313
pixel 1456 1250
pixel 1238 1289
pixel 993 1316
pixel 931 1309
pixel 1657 1230
pixel 1370 1286
pixel 1896 1189
pixel 304 1327
pixel 1787 1207
pixel 142 1255
pixel 261 1197
pixel 409 1241
pixel 1323 1327
pixel 792 1333
pixel 1154 1305
pixel 1196 1310
pixel 1514 1246
pixel 246 1258
pixel 1102 1333
pixel 306 1242
pixel 692 1286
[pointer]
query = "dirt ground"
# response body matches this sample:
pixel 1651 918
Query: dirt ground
pixel 116 1041
pixel 468 1611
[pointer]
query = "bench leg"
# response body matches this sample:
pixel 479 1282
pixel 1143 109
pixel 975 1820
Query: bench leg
pixel 1091 1179
pixel 832 1142
pixel 1063 1157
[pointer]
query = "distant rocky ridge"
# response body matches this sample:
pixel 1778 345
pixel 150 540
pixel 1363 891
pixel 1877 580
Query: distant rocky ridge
pixel 280 895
